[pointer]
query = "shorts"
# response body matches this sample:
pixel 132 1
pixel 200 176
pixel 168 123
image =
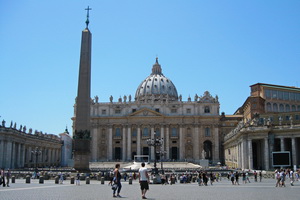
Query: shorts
pixel 144 185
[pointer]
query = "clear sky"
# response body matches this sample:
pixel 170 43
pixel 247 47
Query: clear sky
pixel 222 46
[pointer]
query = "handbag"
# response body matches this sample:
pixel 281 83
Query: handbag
pixel 114 186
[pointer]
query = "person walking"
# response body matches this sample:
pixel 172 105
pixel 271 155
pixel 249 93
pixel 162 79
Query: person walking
pixel 8 175
pixel 2 174
pixel 260 176
pixel 143 180
pixel 117 180
pixel 78 178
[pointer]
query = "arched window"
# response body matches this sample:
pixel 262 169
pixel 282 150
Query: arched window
pixel 207 132
pixel 298 108
pixel 269 107
pixel 281 108
pixel 293 108
pixel 206 109
pixel 118 132
pixel 287 108
pixel 275 107
pixel 174 132
pixel 145 132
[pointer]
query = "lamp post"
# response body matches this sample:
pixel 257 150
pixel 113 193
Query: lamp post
pixel 155 142
pixel 162 153
pixel 36 152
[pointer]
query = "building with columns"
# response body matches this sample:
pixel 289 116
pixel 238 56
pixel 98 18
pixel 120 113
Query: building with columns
pixel 270 123
pixel 21 149
pixel 119 129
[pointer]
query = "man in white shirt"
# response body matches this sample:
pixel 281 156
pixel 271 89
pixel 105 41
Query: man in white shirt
pixel 144 180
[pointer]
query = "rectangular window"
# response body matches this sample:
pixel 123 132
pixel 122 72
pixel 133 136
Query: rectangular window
pixel 157 109
pixel 133 110
pixel 207 132
pixel 134 142
pixel 174 142
pixel 173 110
pixel 286 96
pixel 118 111
pixel 188 111
pixel 296 117
pixel 267 94
pixel 103 112
pixel 292 96
pixel 280 95
pixel 274 94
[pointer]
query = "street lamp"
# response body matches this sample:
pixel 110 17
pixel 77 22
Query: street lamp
pixel 36 152
pixel 155 142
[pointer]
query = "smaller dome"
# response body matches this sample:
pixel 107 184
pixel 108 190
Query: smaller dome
pixel 156 87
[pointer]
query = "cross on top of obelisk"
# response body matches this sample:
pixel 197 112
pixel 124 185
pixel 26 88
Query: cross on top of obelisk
pixel 87 16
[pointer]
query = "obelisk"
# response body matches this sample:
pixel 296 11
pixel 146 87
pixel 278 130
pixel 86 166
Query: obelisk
pixel 81 136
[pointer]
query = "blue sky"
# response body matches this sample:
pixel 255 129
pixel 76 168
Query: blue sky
pixel 219 46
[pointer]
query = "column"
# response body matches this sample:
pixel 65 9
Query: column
pixel 250 154
pixel 138 143
pixel 282 146
pixel 167 143
pixel 1 153
pixel 19 155
pixel 94 144
pixel 294 156
pixel 216 156
pixel 109 152
pixel 124 144
pixel 266 154
pixel 152 148
pixel 181 144
pixel 162 136
pixel 196 149
pixel 13 155
pixel 29 156
pixel 244 153
pixel 129 143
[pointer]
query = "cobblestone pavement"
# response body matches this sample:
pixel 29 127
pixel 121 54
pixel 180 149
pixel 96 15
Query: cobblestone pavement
pixel 264 190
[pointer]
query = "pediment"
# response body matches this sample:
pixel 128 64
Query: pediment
pixel 146 112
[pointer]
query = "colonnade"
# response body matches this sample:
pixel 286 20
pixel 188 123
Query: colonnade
pixel 180 141
pixel 17 154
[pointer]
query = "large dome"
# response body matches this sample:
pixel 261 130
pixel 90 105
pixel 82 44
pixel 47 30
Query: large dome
pixel 156 87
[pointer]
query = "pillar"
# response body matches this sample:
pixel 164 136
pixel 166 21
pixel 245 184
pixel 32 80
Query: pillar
pixel 266 154
pixel 138 143
pixel 294 152
pixel 8 154
pixel 94 144
pixel 109 152
pixel 129 143
pixel 181 144
pixel 124 144
pixel 167 143
pixel 19 156
pixel 152 148
pixel 1 153
pixel 162 136
pixel 216 156
pixel 250 154
pixel 196 149
pixel 13 156
pixel 244 153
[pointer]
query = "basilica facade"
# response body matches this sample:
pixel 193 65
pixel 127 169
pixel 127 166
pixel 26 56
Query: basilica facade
pixel 190 130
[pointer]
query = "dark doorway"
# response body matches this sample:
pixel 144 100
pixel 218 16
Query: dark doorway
pixel 174 153
pixel 118 153
pixel 146 152
pixel 208 150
